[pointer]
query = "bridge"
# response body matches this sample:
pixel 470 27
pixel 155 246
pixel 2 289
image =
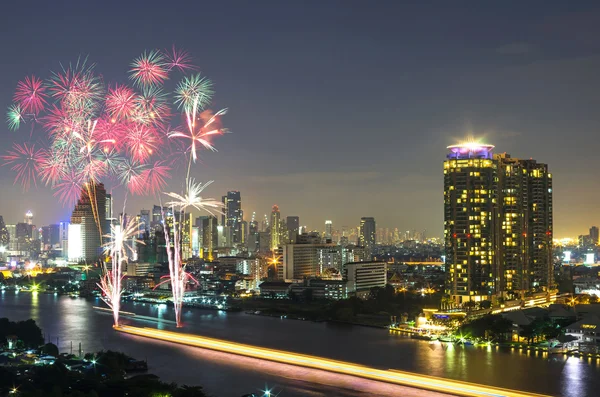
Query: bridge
pixel 440 385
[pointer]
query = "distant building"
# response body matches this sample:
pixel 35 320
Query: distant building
pixel 362 276
pixel 232 217
pixel 328 230
pixel 301 260
pixel 594 235
pixel 4 236
pixel 367 234
pixel 497 225
pixel 293 229
pixel 275 228
pixel 210 236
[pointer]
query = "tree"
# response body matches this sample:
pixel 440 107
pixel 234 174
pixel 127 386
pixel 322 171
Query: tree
pixel 50 349
pixel 485 304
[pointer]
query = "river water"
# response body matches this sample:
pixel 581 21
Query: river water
pixel 72 321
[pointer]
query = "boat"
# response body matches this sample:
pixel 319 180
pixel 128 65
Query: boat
pixel 446 338
pixel 421 337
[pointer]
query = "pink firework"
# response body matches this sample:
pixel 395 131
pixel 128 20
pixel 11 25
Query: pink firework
pixel 149 69
pixel 121 102
pixel 53 167
pixel 178 59
pixel 156 177
pixel 25 160
pixel 77 89
pixel 30 95
pixel 69 188
pixel 141 142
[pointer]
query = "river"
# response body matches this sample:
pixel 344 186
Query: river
pixel 71 321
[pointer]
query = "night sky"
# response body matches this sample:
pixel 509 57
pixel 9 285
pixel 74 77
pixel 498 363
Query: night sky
pixel 343 109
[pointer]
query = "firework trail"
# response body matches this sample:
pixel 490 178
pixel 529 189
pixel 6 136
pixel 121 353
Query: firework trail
pixel 84 130
pixel 117 248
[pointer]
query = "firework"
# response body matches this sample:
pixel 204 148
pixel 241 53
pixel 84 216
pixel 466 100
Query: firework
pixel 194 91
pixel 192 198
pixel 121 102
pixel 25 161
pixel 30 95
pixel 198 132
pixel 117 249
pixel 14 117
pixel 178 59
pixel 150 69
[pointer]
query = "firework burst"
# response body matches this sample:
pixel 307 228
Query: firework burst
pixel 14 116
pixel 30 95
pixel 25 161
pixel 150 69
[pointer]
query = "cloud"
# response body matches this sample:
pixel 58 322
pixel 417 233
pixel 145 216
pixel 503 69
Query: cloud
pixel 517 48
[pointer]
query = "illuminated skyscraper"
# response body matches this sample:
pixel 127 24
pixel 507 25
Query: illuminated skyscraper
pixel 232 217
pixel 29 218
pixel 4 236
pixel 328 230
pixel 275 228
pixel 90 213
pixel 497 224
pixel 366 236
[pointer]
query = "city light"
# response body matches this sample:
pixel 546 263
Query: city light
pixel 390 376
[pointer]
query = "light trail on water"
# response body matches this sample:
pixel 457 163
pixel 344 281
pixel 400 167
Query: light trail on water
pixel 389 376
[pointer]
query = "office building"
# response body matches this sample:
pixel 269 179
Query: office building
pixel 362 276
pixel 293 229
pixel 497 224
pixel 275 226
pixel 594 235
pixel 210 236
pixel 231 219
pixel 299 261
pixel 4 236
pixel 328 230
pixel 90 213
pixel 367 231
pixel 144 219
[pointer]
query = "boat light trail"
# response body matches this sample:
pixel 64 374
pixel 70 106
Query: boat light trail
pixel 447 386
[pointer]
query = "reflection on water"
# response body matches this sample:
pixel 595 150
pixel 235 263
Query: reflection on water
pixel 74 320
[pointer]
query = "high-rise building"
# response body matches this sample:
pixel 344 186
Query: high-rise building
pixel 232 217
pixel 90 213
pixel 328 230
pixel 293 229
pixel 210 236
pixel 275 228
pixel 4 236
pixel 366 236
pixel 497 224
pixel 144 219
pixel 29 217
pixel 594 234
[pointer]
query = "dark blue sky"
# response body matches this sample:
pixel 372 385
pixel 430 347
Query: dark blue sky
pixel 343 109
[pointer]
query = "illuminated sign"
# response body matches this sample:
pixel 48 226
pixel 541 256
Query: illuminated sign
pixel 588 326
pixel 567 256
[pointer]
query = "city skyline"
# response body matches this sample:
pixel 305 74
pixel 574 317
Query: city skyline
pixel 389 139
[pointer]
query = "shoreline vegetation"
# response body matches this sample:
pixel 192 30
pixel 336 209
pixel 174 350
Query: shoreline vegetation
pixel 29 367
